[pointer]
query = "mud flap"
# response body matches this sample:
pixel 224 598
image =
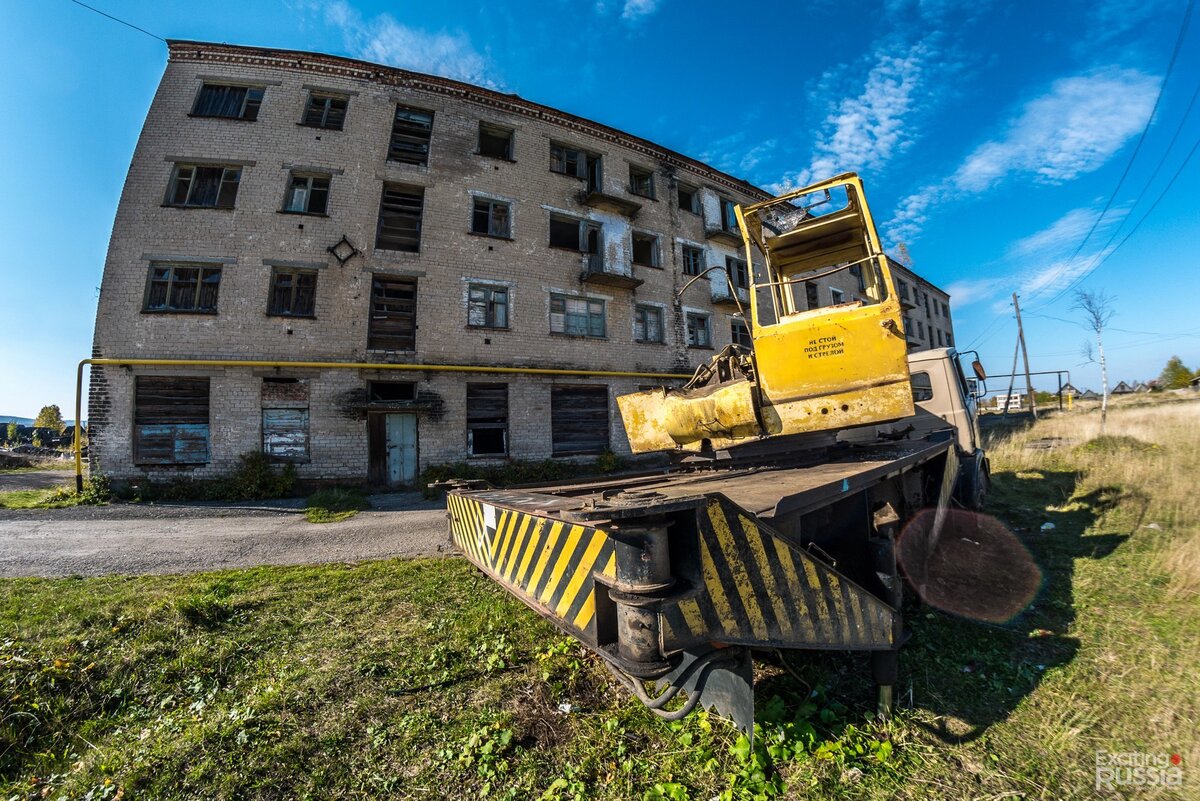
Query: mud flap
pixel 726 686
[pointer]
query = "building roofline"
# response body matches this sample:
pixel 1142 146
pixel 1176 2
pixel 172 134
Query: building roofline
pixel 893 263
pixel 322 63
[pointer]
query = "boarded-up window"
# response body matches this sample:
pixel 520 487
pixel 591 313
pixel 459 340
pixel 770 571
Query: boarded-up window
pixel 285 419
pixel 170 420
pixel 579 420
pixel 487 419
pixel 411 131
pixel 393 323
pixel 400 218
pixel 325 111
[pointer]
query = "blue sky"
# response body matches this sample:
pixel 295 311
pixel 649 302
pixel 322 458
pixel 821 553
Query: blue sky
pixel 991 135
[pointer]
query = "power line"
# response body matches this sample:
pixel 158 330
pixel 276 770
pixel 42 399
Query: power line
pixel 117 19
pixel 1183 26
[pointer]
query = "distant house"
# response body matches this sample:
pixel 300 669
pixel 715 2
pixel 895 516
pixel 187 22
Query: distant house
pixel 1143 387
pixel 1088 394
pixel 1069 391
pixel 1014 401
pixel 1122 389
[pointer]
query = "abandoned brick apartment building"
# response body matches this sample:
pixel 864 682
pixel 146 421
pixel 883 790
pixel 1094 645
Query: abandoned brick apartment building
pixel 284 206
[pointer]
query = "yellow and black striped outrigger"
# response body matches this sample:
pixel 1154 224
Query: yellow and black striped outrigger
pixel 670 579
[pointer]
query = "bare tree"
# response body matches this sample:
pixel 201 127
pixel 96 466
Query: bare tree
pixel 1097 308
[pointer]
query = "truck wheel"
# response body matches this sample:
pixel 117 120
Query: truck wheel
pixel 974 482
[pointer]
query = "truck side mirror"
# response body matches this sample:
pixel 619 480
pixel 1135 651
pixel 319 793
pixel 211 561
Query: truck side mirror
pixel 980 373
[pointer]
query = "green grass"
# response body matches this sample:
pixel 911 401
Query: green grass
pixel 422 679
pixel 334 505
pixel 38 499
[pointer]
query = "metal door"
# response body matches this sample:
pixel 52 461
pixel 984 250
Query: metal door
pixel 401 448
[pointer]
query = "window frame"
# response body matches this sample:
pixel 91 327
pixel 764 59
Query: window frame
pixel 703 260
pixel 736 325
pixel 738 272
pixel 417 133
pixel 309 192
pixel 247 103
pixel 223 183
pixel 640 318
pixel 329 99
pixel 489 310
pixel 293 292
pixel 406 340
pixel 406 190
pixel 485 424
pixel 694 191
pixel 510 144
pixel 647 238
pixel 728 215
pixel 589 315
pixel 203 270
pixel 691 317
pixel 492 203
pixel 580 159
pixel 637 174
pixel 836 296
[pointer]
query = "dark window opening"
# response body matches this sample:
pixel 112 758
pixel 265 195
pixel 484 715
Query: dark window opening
pixel 495 142
pixel 487 419
pixel 391 391
pixel 307 194
pixel 293 292
pixel 728 215
pixel 411 131
pixel 170 420
pixel 579 420
pixel 183 288
pixel 491 218
pixel 739 333
pixel 738 274
pixel 578 163
pixel 400 218
pixel 581 317
pixel 693 260
pixel 230 102
pixel 689 198
pixel 811 295
pixel 203 187
pixel 857 272
pixel 574 234
pixel 647 324
pixel 325 111
pixel 641 182
pixel 393 324
pixel 699 333
pixel 487 306
pixel 645 250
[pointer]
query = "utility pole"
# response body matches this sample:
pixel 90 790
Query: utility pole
pixel 1025 353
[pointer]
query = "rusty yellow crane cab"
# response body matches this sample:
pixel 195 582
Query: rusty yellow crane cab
pixel 812 368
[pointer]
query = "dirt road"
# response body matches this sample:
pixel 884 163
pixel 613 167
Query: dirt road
pixel 90 541
pixel 35 479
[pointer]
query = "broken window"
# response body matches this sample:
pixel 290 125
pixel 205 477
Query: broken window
pixel 689 198
pixel 393 324
pixel 903 286
pixel 581 317
pixel 487 419
pixel 693 260
pixel 293 292
pixel 487 306
pixel 811 298
pixel 230 102
pixel 739 333
pixel 307 194
pixel 568 160
pixel 836 296
pixel 920 330
pixel 579 420
pixel 739 276
pixel 495 142
pixel 170 420
pixel 574 234
pixel 645 250
pixel 203 187
pixel 699 333
pixel 183 288
pixel 728 215
pixel 491 218
pixel 400 218
pixel 641 182
pixel 411 131
pixel 391 391
pixel 325 111
pixel 285 419
pixel 647 324
pixel 856 271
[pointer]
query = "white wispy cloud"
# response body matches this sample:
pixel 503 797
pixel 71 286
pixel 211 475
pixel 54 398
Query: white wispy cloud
pixel 385 40
pixel 1072 129
pixel 972 290
pixel 635 10
pixel 1076 126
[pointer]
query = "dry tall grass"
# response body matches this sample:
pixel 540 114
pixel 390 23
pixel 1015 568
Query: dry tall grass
pixel 1151 452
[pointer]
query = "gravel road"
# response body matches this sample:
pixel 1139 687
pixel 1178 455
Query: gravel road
pixel 188 538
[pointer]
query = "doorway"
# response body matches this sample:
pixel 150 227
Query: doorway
pixel 392 449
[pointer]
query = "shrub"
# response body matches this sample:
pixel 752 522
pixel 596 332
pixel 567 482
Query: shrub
pixel 334 504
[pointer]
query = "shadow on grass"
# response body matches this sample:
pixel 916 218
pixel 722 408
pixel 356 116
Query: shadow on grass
pixel 961 673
